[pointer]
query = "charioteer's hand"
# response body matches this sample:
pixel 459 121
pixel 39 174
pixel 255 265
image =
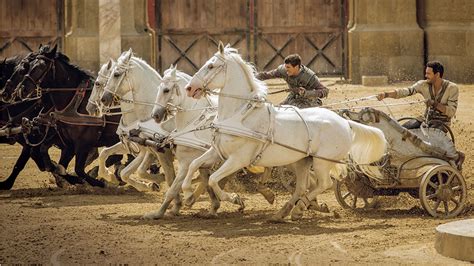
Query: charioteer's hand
pixel 430 102
pixel 381 96
pixel 301 91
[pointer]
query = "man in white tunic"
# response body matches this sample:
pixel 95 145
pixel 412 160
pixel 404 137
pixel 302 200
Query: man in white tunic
pixel 441 98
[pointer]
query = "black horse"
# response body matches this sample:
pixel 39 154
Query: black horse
pixel 11 115
pixel 53 78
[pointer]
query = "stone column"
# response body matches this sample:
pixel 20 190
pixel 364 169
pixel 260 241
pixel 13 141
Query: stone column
pixel 109 30
pixel 384 39
pixel 81 42
pixel 136 32
pixel 449 29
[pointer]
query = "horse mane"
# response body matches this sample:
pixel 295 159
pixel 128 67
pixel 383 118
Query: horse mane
pixel 140 62
pixel 259 88
pixel 85 74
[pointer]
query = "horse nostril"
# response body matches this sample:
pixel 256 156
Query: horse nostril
pixel 188 88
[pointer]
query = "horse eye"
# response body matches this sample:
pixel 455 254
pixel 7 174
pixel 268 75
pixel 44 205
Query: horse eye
pixel 116 74
pixel 97 83
pixel 166 90
pixel 211 66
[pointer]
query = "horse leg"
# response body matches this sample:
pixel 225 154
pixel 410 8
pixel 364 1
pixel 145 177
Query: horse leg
pixel 301 170
pixel 131 168
pixel 313 204
pixel 262 189
pixel 19 165
pixel 104 172
pixel 230 166
pixel 142 170
pixel 166 161
pixel 173 192
pixel 92 155
pixel 215 202
pixel 324 182
pixel 81 158
pixel 206 160
pixel 67 154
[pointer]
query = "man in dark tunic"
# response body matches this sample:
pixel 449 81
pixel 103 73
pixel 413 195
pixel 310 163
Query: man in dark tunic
pixel 305 88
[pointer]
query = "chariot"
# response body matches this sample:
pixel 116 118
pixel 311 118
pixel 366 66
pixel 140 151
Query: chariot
pixel 421 162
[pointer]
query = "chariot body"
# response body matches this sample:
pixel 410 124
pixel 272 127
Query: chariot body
pixel 421 162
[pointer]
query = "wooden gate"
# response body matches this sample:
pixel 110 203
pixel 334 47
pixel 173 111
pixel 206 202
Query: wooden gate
pixel 264 31
pixel 25 24
pixel 189 30
pixel 313 29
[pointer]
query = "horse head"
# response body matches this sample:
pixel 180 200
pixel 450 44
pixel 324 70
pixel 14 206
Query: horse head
pixel 115 86
pixel 11 85
pixel 210 76
pixel 40 66
pixel 98 89
pixel 170 92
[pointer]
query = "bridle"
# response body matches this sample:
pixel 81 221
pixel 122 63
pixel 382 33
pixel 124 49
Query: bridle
pixel 37 83
pixel 117 98
pixel 223 67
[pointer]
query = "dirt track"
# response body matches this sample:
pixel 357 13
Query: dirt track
pixel 43 224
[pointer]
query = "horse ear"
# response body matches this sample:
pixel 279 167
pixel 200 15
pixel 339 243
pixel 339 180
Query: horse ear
pixel 109 64
pixel 221 47
pixel 41 45
pixel 54 50
pixel 173 73
pixel 171 66
pixel 129 54
pixel 227 45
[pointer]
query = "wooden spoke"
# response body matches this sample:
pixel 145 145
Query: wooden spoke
pixel 354 203
pixel 433 185
pixel 446 207
pixel 346 195
pixel 450 178
pixel 440 178
pixel 432 196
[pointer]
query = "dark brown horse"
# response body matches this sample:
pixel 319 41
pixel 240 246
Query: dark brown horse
pixel 11 115
pixel 52 78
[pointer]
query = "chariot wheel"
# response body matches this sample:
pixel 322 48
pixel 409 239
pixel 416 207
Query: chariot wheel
pixel 443 191
pixel 349 200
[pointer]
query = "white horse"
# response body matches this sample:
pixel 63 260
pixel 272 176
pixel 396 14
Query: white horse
pixel 189 143
pixel 124 78
pixel 250 130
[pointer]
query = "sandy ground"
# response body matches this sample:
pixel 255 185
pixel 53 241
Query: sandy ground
pixel 44 224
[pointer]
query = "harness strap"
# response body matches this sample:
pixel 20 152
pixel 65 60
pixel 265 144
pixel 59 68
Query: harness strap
pixel 308 151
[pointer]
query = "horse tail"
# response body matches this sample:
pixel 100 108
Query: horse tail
pixel 368 146
pixel 368 143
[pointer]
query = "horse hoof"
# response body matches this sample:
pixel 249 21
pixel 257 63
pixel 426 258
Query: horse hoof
pixel 324 208
pixel 318 207
pixel 237 200
pixel 298 211
pixel 212 214
pixel 154 187
pixel 153 216
pixel 189 201
pixel 270 197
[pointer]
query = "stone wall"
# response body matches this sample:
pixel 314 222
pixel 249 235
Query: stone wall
pixel 384 39
pixel 395 38
pixel 96 30
pixel 449 33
